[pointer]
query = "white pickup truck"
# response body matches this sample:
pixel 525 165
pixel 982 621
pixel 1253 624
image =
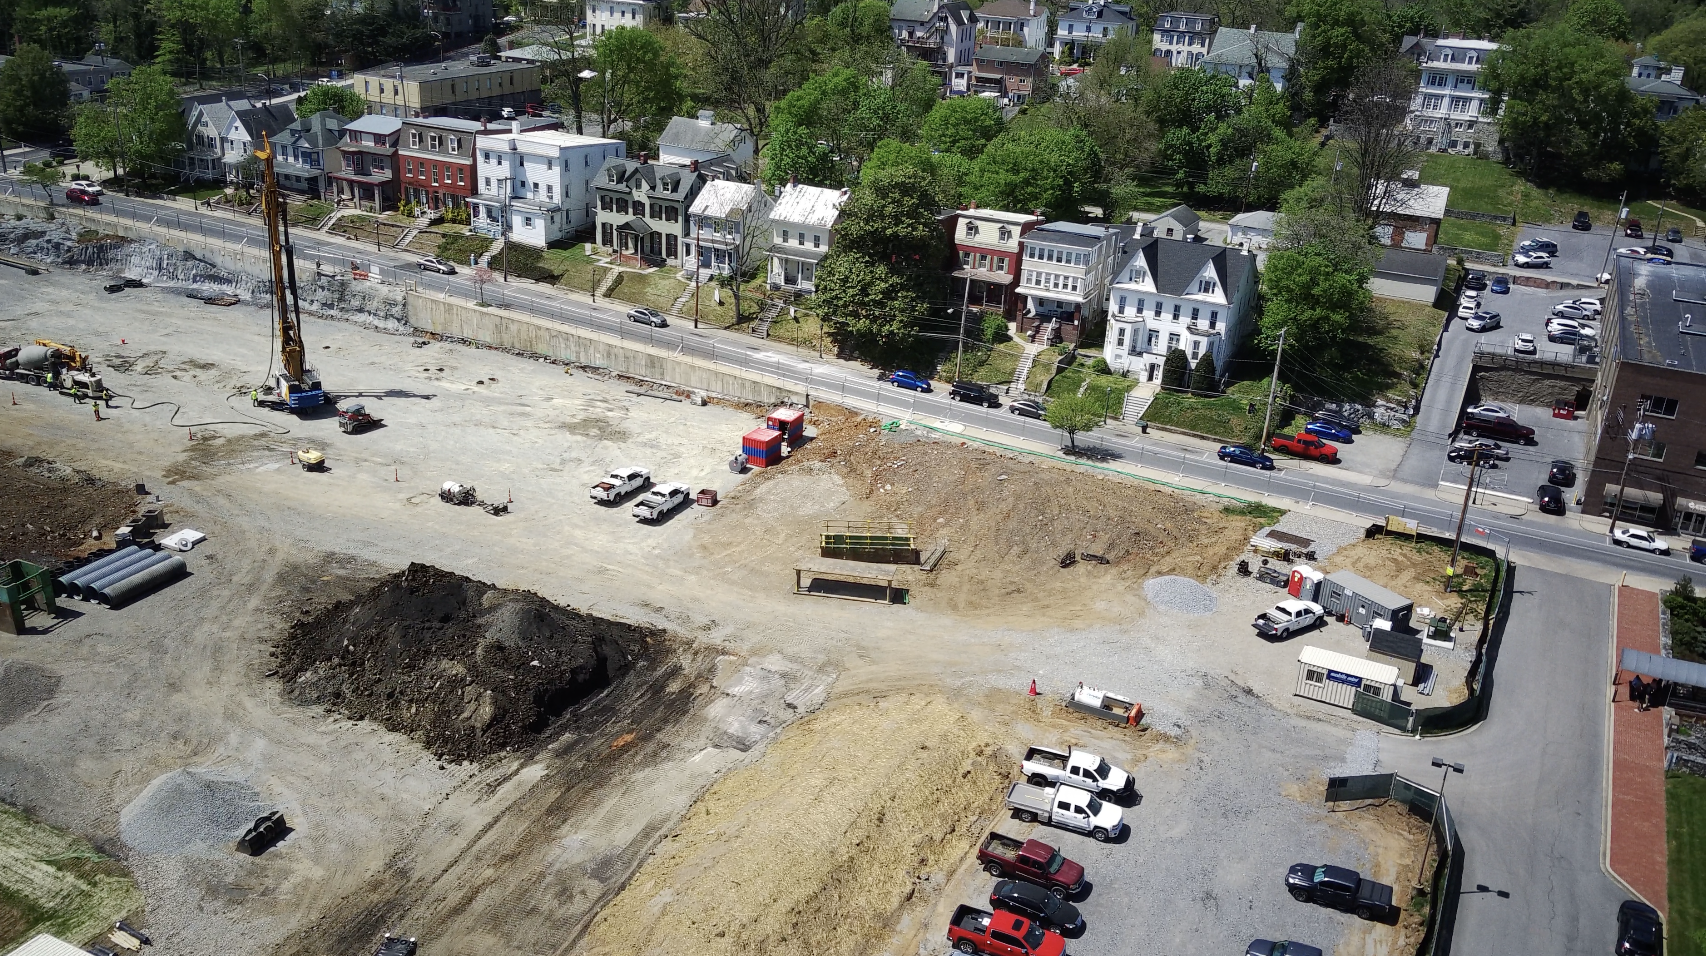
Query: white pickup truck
pixel 661 500
pixel 619 484
pixel 1287 618
pixel 1080 768
pixel 1067 807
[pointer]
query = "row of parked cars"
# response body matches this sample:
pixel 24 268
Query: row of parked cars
pixel 1311 443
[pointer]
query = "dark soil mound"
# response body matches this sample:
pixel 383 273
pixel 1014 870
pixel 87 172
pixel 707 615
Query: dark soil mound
pixel 47 510
pixel 466 668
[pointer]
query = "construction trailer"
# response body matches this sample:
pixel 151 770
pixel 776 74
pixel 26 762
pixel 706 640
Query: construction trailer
pixel 1334 678
pixel 1361 601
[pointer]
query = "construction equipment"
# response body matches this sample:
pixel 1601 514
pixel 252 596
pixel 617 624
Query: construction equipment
pixel 295 385
pixel 353 417
pixel 311 460
pixel 46 362
pixel 457 493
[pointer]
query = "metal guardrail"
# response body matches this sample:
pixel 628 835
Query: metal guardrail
pixel 1569 363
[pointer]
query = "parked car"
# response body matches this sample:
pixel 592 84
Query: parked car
pixel 1240 455
pixel 651 317
pixel 1660 250
pixel 1028 407
pixel 1659 260
pixel 1305 445
pixel 1321 428
pixel 1478 426
pixel 1571 337
pixel 1550 499
pixel 1635 251
pixel 435 264
pixel 1042 766
pixel 1640 930
pixel 1583 222
pixel 1673 234
pixel 975 393
pixel 1482 322
pixel 1340 420
pixel 972 930
pixel 1340 888
pixel 393 945
pixel 1036 904
pixel 1067 807
pixel 82 197
pixel 619 484
pixel 901 378
pixel 660 501
pixel 1558 323
pixel 1532 260
pixel 1568 310
pixel 1262 947
pixel 1467 308
pixel 1287 618
pixel 1632 229
pixel 88 186
pixel 1466 448
pixel 1033 861
pixel 1561 473
pixel 1475 279
pixel 1538 245
pixel 1491 409
pixel 1523 344
pixel 1591 306
pixel 1640 538
pixel 1501 284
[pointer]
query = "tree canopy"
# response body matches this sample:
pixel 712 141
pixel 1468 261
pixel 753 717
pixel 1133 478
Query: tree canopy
pixel 643 84
pixel 1684 45
pixel 962 125
pixel 1339 37
pixel 341 100
pixel 1606 19
pixel 1683 146
pixel 1316 297
pixel 1054 170
pixel 1073 414
pixel 150 134
pixel 34 96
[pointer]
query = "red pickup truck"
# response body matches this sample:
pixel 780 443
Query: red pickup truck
pixel 1305 445
pixel 1032 861
pixel 1001 934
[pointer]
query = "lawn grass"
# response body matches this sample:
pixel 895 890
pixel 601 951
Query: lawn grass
pixel 722 315
pixel 1395 344
pixel 1549 206
pixel 363 227
pixel 574 268
pixel 658 290
pixel 311 212
pixel 1472 234
pixel 991 365
pixel 1477 185
pixel 1685 834
pixel 1043 368
pixel 54 882
pixel 1151 194
pixel 1267 514
pixel 1110 389
pixel 1675 214
pixel 196 191
pixel 456 249
pixel 804 328
pixel 1227 417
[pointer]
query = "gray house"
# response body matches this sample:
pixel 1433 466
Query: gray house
pixel 302 149
pixel 643 209
pixel 704 140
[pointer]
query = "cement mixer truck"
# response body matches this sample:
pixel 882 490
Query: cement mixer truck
pixel 46 361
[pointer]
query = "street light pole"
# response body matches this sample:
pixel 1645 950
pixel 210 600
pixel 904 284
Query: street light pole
pixel 503 226
pixel 1448 769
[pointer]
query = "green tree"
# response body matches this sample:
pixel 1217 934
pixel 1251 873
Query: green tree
pixel 34 96
pixel 869 307
pixel 1687 619
pixel 848 112
pixel 1073 414
pixel 1414 20
pixel 1189 107
pixel 854 32
pixel 1254 156
pixel 1176 370
pixel 489 46
pixel 1684 45
pixel 794 152
pixel 1204 379
pixel 62 27
pixel 341 100
pixel 1339 37
pixel 204 28
pixel 752 55
pixel 1606 19
pixel 46 177
pixel 963 125
pixel 1312 295
pixel 644 84
pixel 1683 146
pixel 875 286
pixel 140 123
pixel 1568 115
pixel 947 171
pixel 1054 170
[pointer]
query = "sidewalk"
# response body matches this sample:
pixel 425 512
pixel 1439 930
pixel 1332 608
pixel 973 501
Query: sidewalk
pixel 1636 831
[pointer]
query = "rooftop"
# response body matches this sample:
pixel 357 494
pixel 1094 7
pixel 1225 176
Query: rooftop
pixel 1663 314
pixel 1233 47
pixel 1181 214
pixel 374 123
pixel 721 197
pixel 1346 664
pixel 1175 264
pixel 996 215
pixel 1410 263
pixel 1098 11
pixel 918 10
pixel 1423 202
pixel 809 205
pixel 1073 234
pixel 552 139
pixel 1658 86
pixel 1011 10
pixel 1259 219
pixel 701 134
pixel 421 72
pixel 1011 54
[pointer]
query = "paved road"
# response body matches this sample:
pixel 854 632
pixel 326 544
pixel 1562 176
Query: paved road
pixel 1529 803
pixel 848 383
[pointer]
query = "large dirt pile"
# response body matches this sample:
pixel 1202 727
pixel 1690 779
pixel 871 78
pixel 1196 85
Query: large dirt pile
pixel 466 668
pixel 48 509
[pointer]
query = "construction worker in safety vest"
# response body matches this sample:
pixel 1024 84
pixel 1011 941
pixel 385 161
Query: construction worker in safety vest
pixel 254 396
pixel 76 395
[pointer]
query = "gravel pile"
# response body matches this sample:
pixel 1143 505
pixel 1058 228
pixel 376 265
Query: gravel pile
pixel 23 688
pixel 1174 593
pixel 1363 756
pixel 1328 535
pixel 188 810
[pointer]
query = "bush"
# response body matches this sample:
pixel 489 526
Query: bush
pixel 457 215
pixel 995 328
pixel 409 210
pixel 1176 371
pixel 524 262
pixel 1687 619
pixel 1101 367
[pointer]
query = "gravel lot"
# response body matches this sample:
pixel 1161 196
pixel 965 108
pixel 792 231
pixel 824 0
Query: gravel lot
pixel 1173 593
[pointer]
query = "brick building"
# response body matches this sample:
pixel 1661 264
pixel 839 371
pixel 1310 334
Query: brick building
pixel 435 157
pixel 986 257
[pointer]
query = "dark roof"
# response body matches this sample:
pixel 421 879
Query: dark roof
pixel 1066 234
pixel 1405 647
pixel 319 130
pixel 1011 10
pixel 1175 263
pixel 1011 54
pixel 1657 304
pixel 1181 214
pixel 1097 11
pixel 959 12
pixel 686 132
pixel 918 10
pixel 1659 86
pixel 659 179
pixel 449 69
pixel 266 118
pixel 1408 263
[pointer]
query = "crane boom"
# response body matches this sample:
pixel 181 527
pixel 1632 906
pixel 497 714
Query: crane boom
pixel 297 385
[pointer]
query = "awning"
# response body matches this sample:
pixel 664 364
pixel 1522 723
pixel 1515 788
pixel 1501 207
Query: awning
pixel 1663 668
pixel 997 278
pixel 1691 506
pixel 1637 497
pixel 636 226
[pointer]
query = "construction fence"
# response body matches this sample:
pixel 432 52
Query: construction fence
pixel 1447 880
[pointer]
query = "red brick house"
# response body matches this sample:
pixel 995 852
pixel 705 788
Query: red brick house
pixel 985 266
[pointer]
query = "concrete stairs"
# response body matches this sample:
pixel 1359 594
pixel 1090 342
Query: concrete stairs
pixel 1137 402
pixel 761 328
pixel 492 253
pixel 331 220
pixel 1023 370
pixel 681 300
pixel 408 236
pixel 609 280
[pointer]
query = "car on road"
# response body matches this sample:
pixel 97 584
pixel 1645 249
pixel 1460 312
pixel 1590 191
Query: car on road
pixel 974 392
pixel 1632 229
pixel 1590 306
pixel 1475 279
pixel 1482 322
pixel 435 264
pixel 1640 538
pixel 901 378
pixel 82 197
pixel 1673 234
pixel 1640 930
pixel 1538 245
pixel 1561 473
pixel 1240 455
pixel 1028 407
pixel 651 317
pixel 1550 499
pixel 1035 904
pixel 1501 285
pixel 1321 428
pixel 1523 344
pixel 1263 947
pixel 1583 222
pixel 1464 449
pixel 88 185
pixel 1532 260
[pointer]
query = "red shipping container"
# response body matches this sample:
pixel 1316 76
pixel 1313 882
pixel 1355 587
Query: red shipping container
pixel 762 447
pixel 790 422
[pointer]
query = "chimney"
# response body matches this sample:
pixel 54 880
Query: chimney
pixel 484 125
pixel 707 117
pixel 1297 31
pixel 1252 29
pixel 971 205
pixel 694 165
pixel 793 179
pixel 1033 8
pixel 645 158
pixel 1410 178
pixel 515 126
pixel 1675 75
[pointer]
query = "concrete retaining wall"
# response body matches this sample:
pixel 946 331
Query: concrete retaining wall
pixel 584 347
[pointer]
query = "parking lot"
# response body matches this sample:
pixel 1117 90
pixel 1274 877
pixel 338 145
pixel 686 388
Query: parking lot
pixel 1581 255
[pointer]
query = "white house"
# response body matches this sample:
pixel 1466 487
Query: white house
pixel 1654 80
pixel 942 33
pixel 602 15
pixel 802 227
pixel 701 139
pixel 1169 294
pixel 1252 230
pixel 1063 275
pixel 727 224
pixel 1021 23
pixel 1248 54
pixel 542 179
pixel 1183 39
pixel 1451 110
pixel 1084 27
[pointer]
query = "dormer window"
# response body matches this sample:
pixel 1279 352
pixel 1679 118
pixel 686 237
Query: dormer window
pixel 1206 286
pixel 1006 234
pixel 971 229
pixel 1138 274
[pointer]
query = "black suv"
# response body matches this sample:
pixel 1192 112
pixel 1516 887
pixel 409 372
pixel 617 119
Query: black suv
pixel 1640 930
pixel 975 393
pixel 1562 473
pixel 1504 429
pixel 1475 280
pixel 1582 222
pixel 1550 499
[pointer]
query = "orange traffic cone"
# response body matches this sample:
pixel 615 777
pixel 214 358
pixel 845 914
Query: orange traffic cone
pixel 1033 690
pixel 192 434
pixel 395 475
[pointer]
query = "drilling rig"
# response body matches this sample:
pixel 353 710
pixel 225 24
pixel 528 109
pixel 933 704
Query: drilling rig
pixel 295 385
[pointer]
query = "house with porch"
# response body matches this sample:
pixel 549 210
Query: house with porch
pixel 1013 23
pixel 536 186
pixel 1083 28
pixel 224 133
pixel 1011 74
pixel 701 139
pixel 802 228
pixel 1064 277
pixel 1246 55
pixel 366 173
pixel 942 33
pixel 301 151
pixel 1170 294
pixel 986 248
pixel 643 208
pixel 1183 39
pixel 728 226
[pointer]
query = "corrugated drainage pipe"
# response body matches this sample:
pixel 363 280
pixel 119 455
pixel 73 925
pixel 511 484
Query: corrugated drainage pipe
pixel 92 589
pixel 144 581
pixel 112 572
pixel 82 574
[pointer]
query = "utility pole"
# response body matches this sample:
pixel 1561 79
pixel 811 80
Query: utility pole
pixel 503 227
pixel 118 140
pixel 1448 769
pixel 965 303
pixel 1273 386
pixel 1469 489
pixel 1622 213
pixel 698 256
pixel 1641 431
pixel 241 72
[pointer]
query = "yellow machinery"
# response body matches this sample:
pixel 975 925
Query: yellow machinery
pixel 71 358
pixel 295 385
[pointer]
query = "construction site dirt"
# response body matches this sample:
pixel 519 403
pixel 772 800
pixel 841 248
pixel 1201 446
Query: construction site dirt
pixel 48 509
pixel 514 841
